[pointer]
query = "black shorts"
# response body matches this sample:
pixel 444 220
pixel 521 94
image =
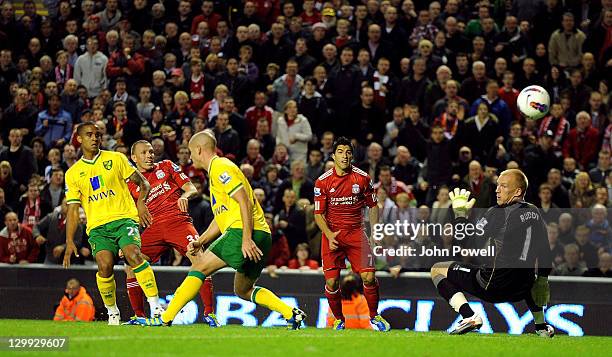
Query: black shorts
pixel 464 277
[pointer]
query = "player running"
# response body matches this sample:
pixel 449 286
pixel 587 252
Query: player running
pixel 340 195
pixel 173 227
pixel 242 235
pixel 517 232
pixel 97 182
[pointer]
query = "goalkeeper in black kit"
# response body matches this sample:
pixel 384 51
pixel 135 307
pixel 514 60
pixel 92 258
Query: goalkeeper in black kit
pixel 520 266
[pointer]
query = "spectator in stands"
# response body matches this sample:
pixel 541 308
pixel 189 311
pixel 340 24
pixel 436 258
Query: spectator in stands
pixel 302 259
pixel 315 167
pixel 565 44
pixel 17 246
pixel 257 111
pixel 302 186
pixel 53 193
pixel 550 211
pixel 313 106
pixel 290 220
pixel 587 250
pixel 9 186
pixel 21 114
pixel 90 68
pixel 601 232
pixel 294 131
pixel 572 266
pixel 480 131
pixel 577 92
pixel 497 106
pixel 54 124
pixel 560 193
pixel 392 130
pixel 599 173
pixel 366 126
pixel 51 232
pixel 254 158
pixel 582 141
pixel 481 187
pixel 476 85
pixel 582 194
pixel 344 88
pixel 604 267
pixel 20 158
pixel 440 212
pixel 541 158
pixel 391 185
pixel 287 86
pixel 405 167
pixel 556 247
pixel 76 304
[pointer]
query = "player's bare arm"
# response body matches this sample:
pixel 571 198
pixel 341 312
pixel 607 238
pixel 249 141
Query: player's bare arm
pixel 331 236
pixel 72 221
pixel 249 248
pixel 146 219
pixel 189 190
pixel 210 234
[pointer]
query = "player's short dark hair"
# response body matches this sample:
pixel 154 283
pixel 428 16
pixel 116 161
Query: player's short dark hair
pixel 56 169
pixel 82 127
pixel 343 141
pixel 133 148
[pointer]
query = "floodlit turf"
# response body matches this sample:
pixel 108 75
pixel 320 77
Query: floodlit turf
pixel 100 339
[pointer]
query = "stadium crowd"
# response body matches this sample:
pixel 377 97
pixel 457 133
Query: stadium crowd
pixel 426 90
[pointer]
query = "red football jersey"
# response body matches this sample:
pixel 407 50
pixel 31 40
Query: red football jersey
pixel 341 199
pixel 166 180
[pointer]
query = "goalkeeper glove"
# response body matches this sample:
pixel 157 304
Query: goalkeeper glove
pixel 460 200
pixel 540 292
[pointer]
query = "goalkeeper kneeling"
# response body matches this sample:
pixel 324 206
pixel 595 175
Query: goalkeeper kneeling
pixel 517 232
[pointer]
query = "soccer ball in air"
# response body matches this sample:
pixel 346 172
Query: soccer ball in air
pixel 533 102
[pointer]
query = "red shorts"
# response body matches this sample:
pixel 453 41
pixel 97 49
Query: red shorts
pixel 160 237
pixel 352 245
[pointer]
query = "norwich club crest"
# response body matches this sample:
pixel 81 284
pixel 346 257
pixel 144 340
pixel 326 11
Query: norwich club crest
pixel 108 164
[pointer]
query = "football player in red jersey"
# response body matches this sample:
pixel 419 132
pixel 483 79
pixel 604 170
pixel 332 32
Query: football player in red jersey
pixel 340 195
pixel 173 227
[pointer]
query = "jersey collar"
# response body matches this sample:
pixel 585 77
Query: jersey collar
pixel 91 162
pixel 210 163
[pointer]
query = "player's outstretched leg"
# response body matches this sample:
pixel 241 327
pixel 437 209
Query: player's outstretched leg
pixel 334 297
pixel 542 329
pixel 244 287
pixel 190 287
pixel 207 296
pixel 455 298
pixel 371 293
pixel 144 275
pixel 106 285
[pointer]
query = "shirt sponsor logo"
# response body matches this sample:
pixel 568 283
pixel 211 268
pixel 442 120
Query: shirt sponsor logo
pixel 160 174
pixel 356 189
pixel 97 182
pixel 100 196
pixel 225 178
pixel 220 209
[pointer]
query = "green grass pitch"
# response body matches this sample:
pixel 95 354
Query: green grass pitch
pixel 98 339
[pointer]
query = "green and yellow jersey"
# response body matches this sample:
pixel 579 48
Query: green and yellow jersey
pixel 99 186
pixel 225 179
